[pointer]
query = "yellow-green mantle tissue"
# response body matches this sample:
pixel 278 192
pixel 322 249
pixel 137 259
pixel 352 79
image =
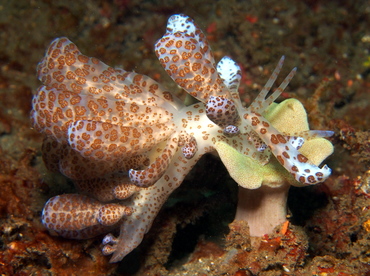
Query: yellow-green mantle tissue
pixel 289 117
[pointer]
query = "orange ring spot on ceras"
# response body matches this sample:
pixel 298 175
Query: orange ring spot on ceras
pixel 83 58
pixel 274 139
pixel 311 179
pixel 319 176
pixel 281 139
pixel 265 124
pixel 295 169
pixel 55 53
pixel 196 66
pixel 169 43
pixel 302 158
pixel 134 107
pixel 178 44
pixel 280 159
pixel 198 55
pixel 255 121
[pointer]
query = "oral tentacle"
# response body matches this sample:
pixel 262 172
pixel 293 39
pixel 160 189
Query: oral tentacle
pixel 258 101
pixel 270 99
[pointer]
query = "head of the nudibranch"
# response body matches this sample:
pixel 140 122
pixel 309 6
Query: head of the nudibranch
pixel 185 54
pixel 290 118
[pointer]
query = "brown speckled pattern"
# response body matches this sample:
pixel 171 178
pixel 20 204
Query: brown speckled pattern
pixel 121 136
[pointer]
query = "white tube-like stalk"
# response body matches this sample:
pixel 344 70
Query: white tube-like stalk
pixel 263 208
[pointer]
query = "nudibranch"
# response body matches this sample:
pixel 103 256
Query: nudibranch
pixel 127 143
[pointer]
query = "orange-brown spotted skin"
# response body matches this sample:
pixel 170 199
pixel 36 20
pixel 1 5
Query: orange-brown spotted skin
pixel 80 217
pixel 222 111
pixel 185 54
pixel 127 143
